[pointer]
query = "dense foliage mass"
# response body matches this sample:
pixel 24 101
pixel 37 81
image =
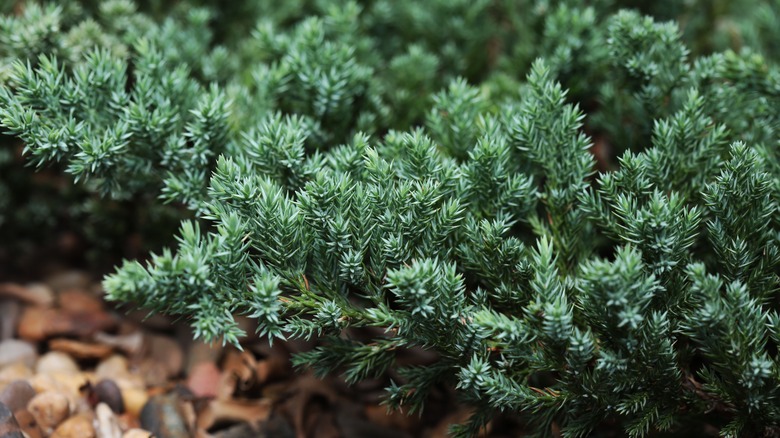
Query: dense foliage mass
pixel 608 253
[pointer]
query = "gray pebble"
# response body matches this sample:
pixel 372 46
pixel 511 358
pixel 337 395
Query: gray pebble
pixel 9 427
pixel 14 350
pixel 17 394
pixel 162 416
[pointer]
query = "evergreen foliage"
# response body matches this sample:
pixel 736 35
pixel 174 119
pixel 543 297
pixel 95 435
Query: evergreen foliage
pixel 575 207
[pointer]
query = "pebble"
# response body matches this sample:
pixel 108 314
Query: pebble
pixel 81 350
pixel 109 393
pixel 112 367
pixel 163 417
pixel 78 426
pixel 9 427
pixel 218 411
pixel 204 380
pixel 49 409
pixel 16 371
pixel 66 383
pixel 56 362
pixel 17 394
pixel 39 323
pixel 76 300
pixel 137 433
pixel 107 424
pixel 16 351
pixel 35 294
pixel 166 351
pixel 69 279
pixel 131 343
pixel 134 400
pixel 28 424
pixel 274 427
pixel 9 314
pixel 33 323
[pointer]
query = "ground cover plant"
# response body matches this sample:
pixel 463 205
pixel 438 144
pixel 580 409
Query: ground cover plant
pixel 573 204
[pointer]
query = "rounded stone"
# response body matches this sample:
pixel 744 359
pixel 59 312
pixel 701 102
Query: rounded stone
pixel 56 362
pixel 49 409
pixel 15 351
pixel 17 394
pixel 109 393
pixel 9 427
pixel 79 426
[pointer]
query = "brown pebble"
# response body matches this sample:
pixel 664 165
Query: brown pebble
pixel 78 426
pixel 108 392
pixel 35 294
pixel 33 323
pixel 81 350
pixel 17 394
pixel 9 427
pixel 68 280
pixel 49 409
pixel 28 424
pixel 77 301
pixel 39 323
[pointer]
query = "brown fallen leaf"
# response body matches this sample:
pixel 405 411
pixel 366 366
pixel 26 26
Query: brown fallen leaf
pixel 303 405
pixel 391 418
pixel 459 416
pixel 250 411
pixel 275 365
pixel 242 365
